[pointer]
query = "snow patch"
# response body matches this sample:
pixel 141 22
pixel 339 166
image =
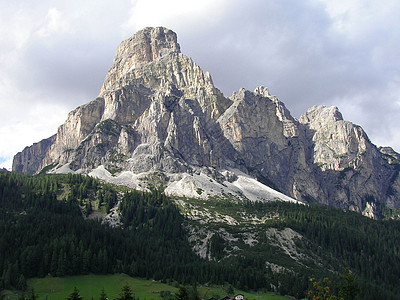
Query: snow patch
pixel 243 187
pixel 232 184
pixel 65 169
pixel 126 178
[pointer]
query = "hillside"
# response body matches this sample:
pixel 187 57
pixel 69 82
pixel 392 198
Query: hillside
pixel 66 225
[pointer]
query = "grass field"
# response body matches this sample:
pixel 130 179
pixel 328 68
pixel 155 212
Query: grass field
pixel 90 287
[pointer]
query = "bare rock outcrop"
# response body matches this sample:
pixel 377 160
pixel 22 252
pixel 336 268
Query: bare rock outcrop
pixel 159 114
pixel 354 172
pixel 29 161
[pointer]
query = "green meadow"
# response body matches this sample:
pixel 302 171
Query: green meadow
pixel 90 287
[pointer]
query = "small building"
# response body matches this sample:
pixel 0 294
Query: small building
pixel 238 297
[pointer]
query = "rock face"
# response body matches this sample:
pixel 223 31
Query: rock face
pixel 160 115
pixel 30 159
pixel 353 172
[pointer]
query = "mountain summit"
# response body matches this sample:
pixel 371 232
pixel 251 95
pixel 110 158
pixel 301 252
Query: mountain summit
pixel 159 120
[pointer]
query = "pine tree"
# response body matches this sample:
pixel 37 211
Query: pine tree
pixel 194 293
pixel 88 208
pixel 103 295
pixel 22 296
pixel 7 278
pixel 21 283
pixel 127 293
pixel 182 293
pixel 229 290
pixel 349 289
pixel 32 295
pixel 75 295
pixel 54 263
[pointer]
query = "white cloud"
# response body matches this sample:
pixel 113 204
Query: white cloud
pixel 53 23
pixel 27 126
pixel 54 55
pixel 48 67
pixel 15 26
pixel 357 19
pixel 7 164
pixel 174 14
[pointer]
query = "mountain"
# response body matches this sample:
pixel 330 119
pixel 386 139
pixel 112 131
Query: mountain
pixel 159 120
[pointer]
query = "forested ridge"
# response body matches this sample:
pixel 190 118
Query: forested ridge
pixel 370 248
pixel 44 230
pixel 42 235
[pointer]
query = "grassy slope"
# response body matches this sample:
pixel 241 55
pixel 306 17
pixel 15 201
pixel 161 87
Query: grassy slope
pixel 91 285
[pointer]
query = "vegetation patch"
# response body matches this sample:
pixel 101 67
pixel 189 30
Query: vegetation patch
pixel 108 127
pixel 102 145
pixel 337 156
pixel 48 168
pixel 114 171
pixel 115 156
pixel 199 191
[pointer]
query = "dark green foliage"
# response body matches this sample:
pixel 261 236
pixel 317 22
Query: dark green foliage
pixel 217 246
pixel 194 293
pixel 229 290
pixel 108 196
pixel 348 289
pixel 108 127
pixel 182 293
pixel 32 295
pixel 103 295
pixel 22 296
pixel 47 168
pixel 21 283
pixel 42 231
pixel 166 295
pixel 75 295
pixel 40 234
pixel 88 208
pixel 369 247
pixel 127 293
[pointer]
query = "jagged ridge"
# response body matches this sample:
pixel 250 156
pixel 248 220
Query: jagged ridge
pixel 159 119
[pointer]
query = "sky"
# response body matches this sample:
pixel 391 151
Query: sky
pixel 54 56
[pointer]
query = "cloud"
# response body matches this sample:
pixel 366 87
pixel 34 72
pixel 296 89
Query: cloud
pixel 55 55
pixel 31 126
pixel 53 24
pixel 175 14
pixel 6 164
pixel 310 53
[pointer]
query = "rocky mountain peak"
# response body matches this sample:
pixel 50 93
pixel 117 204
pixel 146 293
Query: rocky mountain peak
pixel 321 114
pixel 262 91
pixel 145 46
pixel 389 151
pixel 160 120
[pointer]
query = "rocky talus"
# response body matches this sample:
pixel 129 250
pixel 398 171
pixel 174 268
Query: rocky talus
pixel 160 115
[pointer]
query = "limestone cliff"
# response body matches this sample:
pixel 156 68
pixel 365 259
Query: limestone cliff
pixel 353 169
pixel 159 119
